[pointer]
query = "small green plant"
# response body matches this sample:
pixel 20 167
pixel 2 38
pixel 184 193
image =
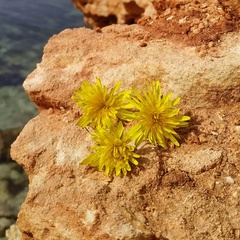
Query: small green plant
pixel 154 118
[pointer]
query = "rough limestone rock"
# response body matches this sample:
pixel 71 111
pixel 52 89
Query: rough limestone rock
pixel 186 192
pixel 197 19
pixel 100 13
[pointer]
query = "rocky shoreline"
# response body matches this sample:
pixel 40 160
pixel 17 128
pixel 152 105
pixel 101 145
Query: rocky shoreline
pixel 186 192
pixel 23 35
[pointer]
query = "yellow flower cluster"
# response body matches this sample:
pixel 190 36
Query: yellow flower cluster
pixel 155 117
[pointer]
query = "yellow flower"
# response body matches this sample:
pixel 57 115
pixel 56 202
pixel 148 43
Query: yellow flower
pixel 112 150
pixel 101 107
pixel 157 116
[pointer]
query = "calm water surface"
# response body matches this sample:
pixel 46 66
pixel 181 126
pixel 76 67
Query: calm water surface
pixel 25 27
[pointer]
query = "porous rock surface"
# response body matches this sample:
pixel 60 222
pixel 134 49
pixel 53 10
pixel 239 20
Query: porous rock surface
pixel 199 21
pixel 100 13
pixel 186 192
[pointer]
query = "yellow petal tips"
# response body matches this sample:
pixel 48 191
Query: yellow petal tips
pixel 113 151
pixel 99 106
pixel 155 118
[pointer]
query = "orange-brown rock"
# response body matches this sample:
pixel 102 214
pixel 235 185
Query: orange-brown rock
pixel 99 13
pixel 195 22
pixel 232 8
pixel 186 192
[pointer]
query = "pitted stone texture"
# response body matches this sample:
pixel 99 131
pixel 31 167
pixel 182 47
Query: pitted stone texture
pixel 199 22
pixel 170 195
pixel 101 13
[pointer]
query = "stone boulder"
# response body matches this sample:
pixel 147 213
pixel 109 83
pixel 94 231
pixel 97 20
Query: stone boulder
pixel 186 192
pixel 100 13
pixel 175 16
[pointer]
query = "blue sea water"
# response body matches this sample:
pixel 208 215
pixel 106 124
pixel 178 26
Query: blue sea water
pixel 25 27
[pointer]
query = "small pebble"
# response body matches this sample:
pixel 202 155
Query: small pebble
pixel 169 18
pixel 143 44
pixel 182 20
pixel 148 209
pixel 229 180
pixel 238 129
pixel 98 29
pixel 167 12
pixel 50 111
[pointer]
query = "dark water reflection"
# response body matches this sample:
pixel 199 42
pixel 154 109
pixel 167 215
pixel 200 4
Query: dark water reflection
pixel 25 27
